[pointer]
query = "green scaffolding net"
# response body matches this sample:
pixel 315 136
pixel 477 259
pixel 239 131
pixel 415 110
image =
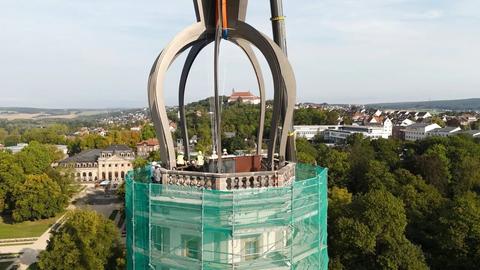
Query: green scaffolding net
pixel 185 228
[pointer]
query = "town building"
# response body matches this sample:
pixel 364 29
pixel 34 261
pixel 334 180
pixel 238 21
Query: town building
pixel 423 115
pixel 310 131
pixel 419 131
pixel 111 163
pixel 445 132
pixel 16 148
pixel 144 148
pixel 372 131
pixel 473 133
pixel 244 97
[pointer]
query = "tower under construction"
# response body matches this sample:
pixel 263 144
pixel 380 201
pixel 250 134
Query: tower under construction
pixel 260 210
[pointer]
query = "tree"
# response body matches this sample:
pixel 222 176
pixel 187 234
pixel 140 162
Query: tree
pixel 475 125
pixel 332 118
pixel 370 235
pixel 35 158
pixel 458 237
pixel 39 197
pixel 87 240
pixel 306 153
pixel 338 165
pixel 147 132
pixel 3 135
pixel 434 165
pixel 12 139
pixel 54 134
pixel 422 202
pixel 378 177
pixel 437 120
pixel 11 174
pixel 361 153
pixel 387 150
pixel 64 178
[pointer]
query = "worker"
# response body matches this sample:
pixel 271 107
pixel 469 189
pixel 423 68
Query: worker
pixel 180 159
pixel 200 159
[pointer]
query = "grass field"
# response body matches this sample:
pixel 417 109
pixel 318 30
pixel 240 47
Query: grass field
pixel 25 229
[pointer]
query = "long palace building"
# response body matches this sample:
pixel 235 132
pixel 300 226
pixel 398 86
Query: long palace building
pixel 111 163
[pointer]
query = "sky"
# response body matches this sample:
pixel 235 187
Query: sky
pixel 98 53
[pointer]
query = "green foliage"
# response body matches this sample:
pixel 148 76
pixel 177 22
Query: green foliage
pixel 39 197
pixel 11 174
pixel 87 240
pixel 36 158
pixel 371 235
pixel 306 153
pixel 413 205
pixel 433 165
pixel 3 135
pixel 54 134
pixel 30 188
pixel 458 234
pixel 338 164
pixel 437 120
pixel 147 132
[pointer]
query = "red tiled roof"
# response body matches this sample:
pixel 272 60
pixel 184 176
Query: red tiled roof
pixel 245 94
pixel 149 142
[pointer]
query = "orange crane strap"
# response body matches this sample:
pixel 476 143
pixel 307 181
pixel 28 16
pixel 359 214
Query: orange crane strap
pixel 224 14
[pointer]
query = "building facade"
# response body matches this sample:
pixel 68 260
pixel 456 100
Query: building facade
pixel 445 132
pixel 310 131
pixel 111 163
pixel 419 131
pixel 244 97
pixel 144 148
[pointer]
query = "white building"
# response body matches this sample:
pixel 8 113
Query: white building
pixel 419 131
pixel 445 132
pixel 406 122
pixel 308 132
pixel 111 163
pixel 16 148
pixel 244 97
pixel 340 134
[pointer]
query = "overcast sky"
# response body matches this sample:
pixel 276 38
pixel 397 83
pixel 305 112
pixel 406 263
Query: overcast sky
pixel 98 53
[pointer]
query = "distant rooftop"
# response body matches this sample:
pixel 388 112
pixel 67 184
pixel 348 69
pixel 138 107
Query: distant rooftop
pixel 92 155
pixel 242 94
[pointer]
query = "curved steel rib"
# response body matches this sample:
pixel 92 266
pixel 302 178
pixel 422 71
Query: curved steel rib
pixel 192 55
pixel 279 65
pixel 155 87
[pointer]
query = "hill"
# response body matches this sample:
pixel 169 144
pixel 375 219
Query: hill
pixel 17 113
pixel 471 104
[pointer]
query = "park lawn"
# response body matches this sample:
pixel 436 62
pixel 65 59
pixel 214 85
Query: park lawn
pixel 25 229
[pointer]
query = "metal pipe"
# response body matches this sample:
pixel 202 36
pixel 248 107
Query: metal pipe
pixel 280 37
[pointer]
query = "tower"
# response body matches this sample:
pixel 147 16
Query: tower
pixel 230 212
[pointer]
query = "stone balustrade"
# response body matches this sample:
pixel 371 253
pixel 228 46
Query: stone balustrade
pixel 226 181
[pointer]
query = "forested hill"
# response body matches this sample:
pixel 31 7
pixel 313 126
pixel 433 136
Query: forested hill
pixel 471 104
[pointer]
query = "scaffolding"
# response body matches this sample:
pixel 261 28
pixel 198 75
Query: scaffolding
pixel 173 227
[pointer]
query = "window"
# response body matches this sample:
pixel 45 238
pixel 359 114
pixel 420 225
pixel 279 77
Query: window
pixel 191 246
pixel 250 248
pixel 161 238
